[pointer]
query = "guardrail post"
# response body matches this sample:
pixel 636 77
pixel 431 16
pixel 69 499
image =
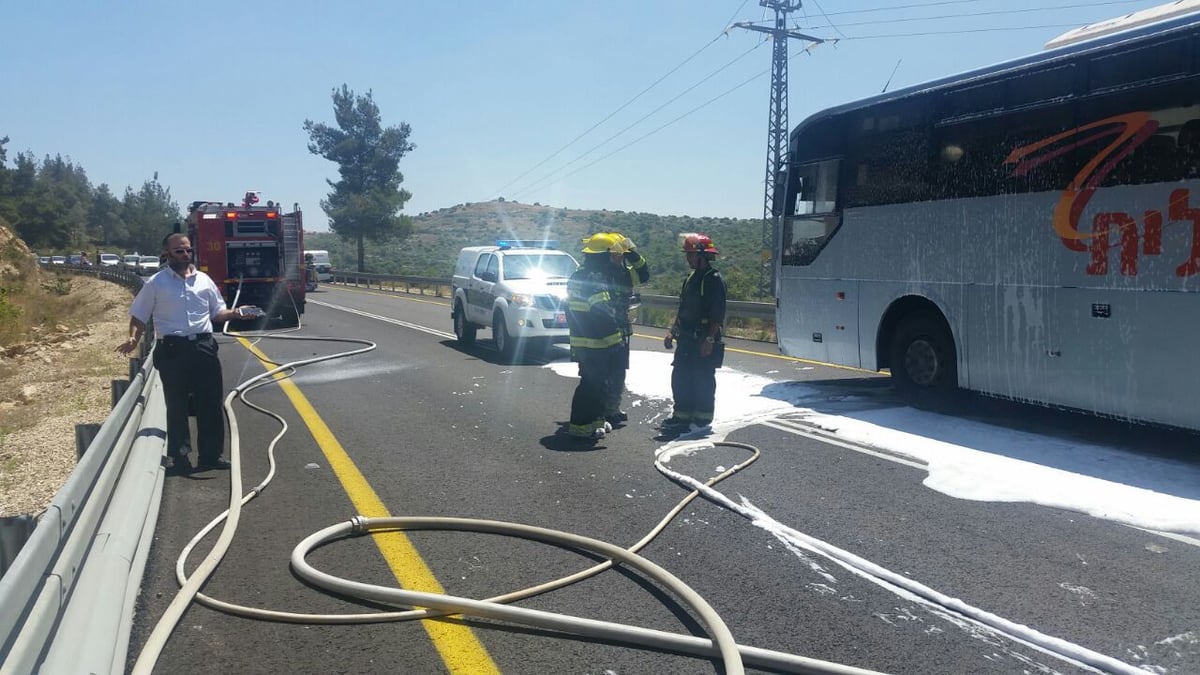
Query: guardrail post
pixel 84 435
pixel 14 532
pixel 119 387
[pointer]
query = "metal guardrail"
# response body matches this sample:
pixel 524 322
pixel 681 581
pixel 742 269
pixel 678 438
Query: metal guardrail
pixel 394 282
pixel 66 603
pixel 764 311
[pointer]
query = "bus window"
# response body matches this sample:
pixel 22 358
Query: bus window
pixel 889 168
pixel 1146 64
pixel 816 188
pixel 972 101
pixel 812 214
pixel 1044 86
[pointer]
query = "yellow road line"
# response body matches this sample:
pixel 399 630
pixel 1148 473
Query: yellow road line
pixel 460 650
pixel 781 357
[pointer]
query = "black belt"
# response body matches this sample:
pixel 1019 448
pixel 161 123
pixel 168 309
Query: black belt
pixel 185 338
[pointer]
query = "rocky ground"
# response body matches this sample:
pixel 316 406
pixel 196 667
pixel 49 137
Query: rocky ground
pixel 49 385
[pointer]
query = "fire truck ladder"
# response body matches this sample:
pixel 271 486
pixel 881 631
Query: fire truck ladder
pixel 291 245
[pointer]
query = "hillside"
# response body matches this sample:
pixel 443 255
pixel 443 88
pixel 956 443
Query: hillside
pixel 438 235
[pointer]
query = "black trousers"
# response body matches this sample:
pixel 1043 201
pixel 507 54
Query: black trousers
pixel 694 380
pixel 192 368
pixel 587 405
pixel 614 385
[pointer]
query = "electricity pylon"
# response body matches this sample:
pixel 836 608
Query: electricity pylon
pixel 777 134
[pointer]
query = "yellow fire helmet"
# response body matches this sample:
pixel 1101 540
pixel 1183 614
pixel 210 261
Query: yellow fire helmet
pixel 601 242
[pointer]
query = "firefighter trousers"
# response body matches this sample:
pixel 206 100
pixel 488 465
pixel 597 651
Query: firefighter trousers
pixel 694 381
pixel 614 386
pixel 587 405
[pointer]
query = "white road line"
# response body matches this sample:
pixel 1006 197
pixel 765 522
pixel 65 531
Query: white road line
pixel 799 429
pixel 377 317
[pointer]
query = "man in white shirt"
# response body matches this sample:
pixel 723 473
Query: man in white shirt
pixel 184 302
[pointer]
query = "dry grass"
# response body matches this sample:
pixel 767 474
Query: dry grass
pixel 58 374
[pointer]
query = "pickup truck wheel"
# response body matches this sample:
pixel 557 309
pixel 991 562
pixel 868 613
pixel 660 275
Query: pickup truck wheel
pixel 504 342
pixel 464 331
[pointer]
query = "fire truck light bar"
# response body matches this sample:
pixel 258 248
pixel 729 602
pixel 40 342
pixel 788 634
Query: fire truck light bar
pixel 231 215
pixel 271 214
pixel 209 216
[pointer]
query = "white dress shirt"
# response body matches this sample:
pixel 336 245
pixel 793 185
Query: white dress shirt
pixel 179 305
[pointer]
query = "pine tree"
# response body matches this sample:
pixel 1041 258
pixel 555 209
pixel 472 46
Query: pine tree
pixel 366 202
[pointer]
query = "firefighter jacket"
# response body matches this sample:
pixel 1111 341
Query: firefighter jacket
pixel 625 277
pixel 592 305
pixel 701 304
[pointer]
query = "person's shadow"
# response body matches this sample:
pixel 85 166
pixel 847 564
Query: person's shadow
pixel 561 441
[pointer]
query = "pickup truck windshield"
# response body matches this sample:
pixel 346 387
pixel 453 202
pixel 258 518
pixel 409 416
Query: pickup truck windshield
pixel 538 266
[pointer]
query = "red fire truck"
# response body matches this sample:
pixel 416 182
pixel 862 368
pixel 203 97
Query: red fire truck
pixel 255 249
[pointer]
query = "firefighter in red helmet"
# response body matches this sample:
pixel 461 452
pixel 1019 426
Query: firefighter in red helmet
pixel 697 332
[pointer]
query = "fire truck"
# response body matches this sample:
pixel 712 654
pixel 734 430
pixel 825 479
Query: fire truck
pixel 257 250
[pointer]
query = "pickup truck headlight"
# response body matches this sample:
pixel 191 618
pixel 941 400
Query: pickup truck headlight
pixel 520 299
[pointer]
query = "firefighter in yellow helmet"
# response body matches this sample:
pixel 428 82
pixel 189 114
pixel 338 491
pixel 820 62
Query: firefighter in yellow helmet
pixel 629 270
pixel 596 334
pixel 697 330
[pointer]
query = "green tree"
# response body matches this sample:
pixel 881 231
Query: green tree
pixel 366 202
pixel 148 214
pixel 8 207
pixel 105 216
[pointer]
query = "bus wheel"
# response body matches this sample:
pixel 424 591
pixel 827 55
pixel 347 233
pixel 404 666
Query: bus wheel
pixel 923 358
pixel 464 331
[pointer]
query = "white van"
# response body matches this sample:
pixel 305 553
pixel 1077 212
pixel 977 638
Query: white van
pixel 320 262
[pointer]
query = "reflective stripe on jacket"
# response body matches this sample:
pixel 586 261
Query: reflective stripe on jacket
pixel 702 300
pixel 591 309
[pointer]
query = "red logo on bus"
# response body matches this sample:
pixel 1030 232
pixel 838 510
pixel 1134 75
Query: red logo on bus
pixel 1128 131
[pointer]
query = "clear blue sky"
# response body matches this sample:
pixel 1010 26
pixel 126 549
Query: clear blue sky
pixel 213 95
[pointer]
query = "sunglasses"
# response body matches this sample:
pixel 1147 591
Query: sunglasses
pixel 182 250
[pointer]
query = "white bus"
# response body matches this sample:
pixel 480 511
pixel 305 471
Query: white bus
pixel 1029 230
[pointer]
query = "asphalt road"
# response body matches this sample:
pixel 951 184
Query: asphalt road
pixel 422 427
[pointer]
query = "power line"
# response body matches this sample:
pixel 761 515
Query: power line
pixel 975 14
pixel 957 32
pixel 608 116
pixel 1042 9
pixel 540 182
pixel 895 7
pixel 827 19
pixel 673 121
pixel 624 105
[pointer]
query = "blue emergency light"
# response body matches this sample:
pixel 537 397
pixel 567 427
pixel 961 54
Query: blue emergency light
pixel 521 243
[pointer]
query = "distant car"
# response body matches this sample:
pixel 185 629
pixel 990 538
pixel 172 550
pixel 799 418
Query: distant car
pixel 58 260
pixel 130 262
pixel 320 262
pixel 147 265
pixel 44 260
pixel 75 260
pixel 109 260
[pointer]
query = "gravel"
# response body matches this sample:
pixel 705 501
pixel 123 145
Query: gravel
pixel 48 386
